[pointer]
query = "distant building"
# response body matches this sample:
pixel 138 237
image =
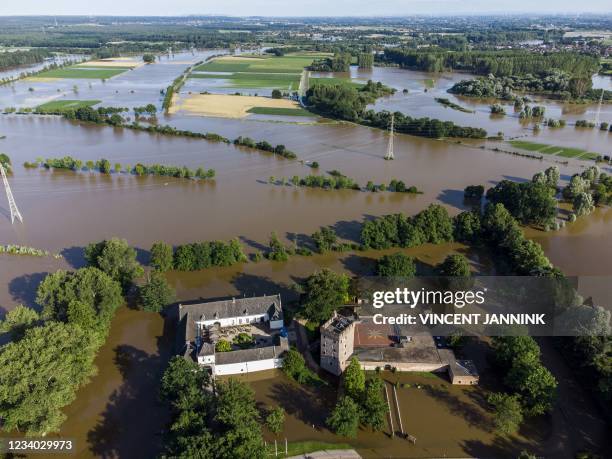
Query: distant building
pixel 388 347
pixel 204 325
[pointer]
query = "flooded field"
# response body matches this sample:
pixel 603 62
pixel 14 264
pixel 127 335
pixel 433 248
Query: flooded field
pixel 240 202
pixel 424 88
pixel 447 420
pixel 63 211
pixel 14 72
pixel 136 87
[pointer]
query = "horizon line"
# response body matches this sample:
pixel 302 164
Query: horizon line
pixel 356 16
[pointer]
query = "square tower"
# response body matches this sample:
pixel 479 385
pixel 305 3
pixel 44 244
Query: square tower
pixel 337 343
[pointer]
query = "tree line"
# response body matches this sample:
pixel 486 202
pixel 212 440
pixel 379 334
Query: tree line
pixel 347 103
pixel 105 167
pixel 498 63
pixel 362 403
pixel 12 58
pixel 176 86
pixel 263 145
pixel 338 181
pixel 340 62
pixel 110 115
pixel 52 66
pixel 196 256
pixel 554 83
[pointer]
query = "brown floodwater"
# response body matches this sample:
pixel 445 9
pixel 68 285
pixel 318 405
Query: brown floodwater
pixel 63 211
pixel 118 414
pixel 447 420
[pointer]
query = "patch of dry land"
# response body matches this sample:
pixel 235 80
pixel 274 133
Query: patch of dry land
pixel 116 62
pixel 226 106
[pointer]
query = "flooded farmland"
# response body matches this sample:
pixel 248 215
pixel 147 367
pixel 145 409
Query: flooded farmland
pixel 64 211
pixel 239 202
pixel 136 87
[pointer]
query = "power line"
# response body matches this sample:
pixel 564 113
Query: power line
pixel 599 108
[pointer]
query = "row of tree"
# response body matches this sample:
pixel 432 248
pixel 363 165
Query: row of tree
pixel 196 256
pixel 210 424
pixel 340 62
pixel 263 145
pixel 175 87
pixel 432 225
pixel 498 63
pixel 52 66
pixel 340 182
pixel 108 115
pixel 423 127
pixel 12 58
pixel 104 166
pixel 555 83
pixel 363 403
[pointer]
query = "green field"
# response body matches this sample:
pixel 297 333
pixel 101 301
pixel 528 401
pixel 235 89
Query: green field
pixel 83 72
pixel 547 149
pixel 280 111
pixel 59 105
pixel 260 64
pixel 256 80
pixel 267 72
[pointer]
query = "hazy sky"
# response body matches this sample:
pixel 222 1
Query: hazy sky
pixel 294 8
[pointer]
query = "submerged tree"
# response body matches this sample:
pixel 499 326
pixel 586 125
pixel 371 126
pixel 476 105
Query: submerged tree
pixel 354 379
pixel 396 265
pixel 116 258
pixel 156 293
pixel 325 291
pixel 375 408
pixel 508 412
pixel 161 257
pixel 344 419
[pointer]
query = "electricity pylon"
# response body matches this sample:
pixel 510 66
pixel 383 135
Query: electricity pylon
pixel 599 108
pixel 15 214
pixel 389 154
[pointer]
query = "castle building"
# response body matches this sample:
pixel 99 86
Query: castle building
pixel 337 342
pixel 258 320
pixel 387 347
